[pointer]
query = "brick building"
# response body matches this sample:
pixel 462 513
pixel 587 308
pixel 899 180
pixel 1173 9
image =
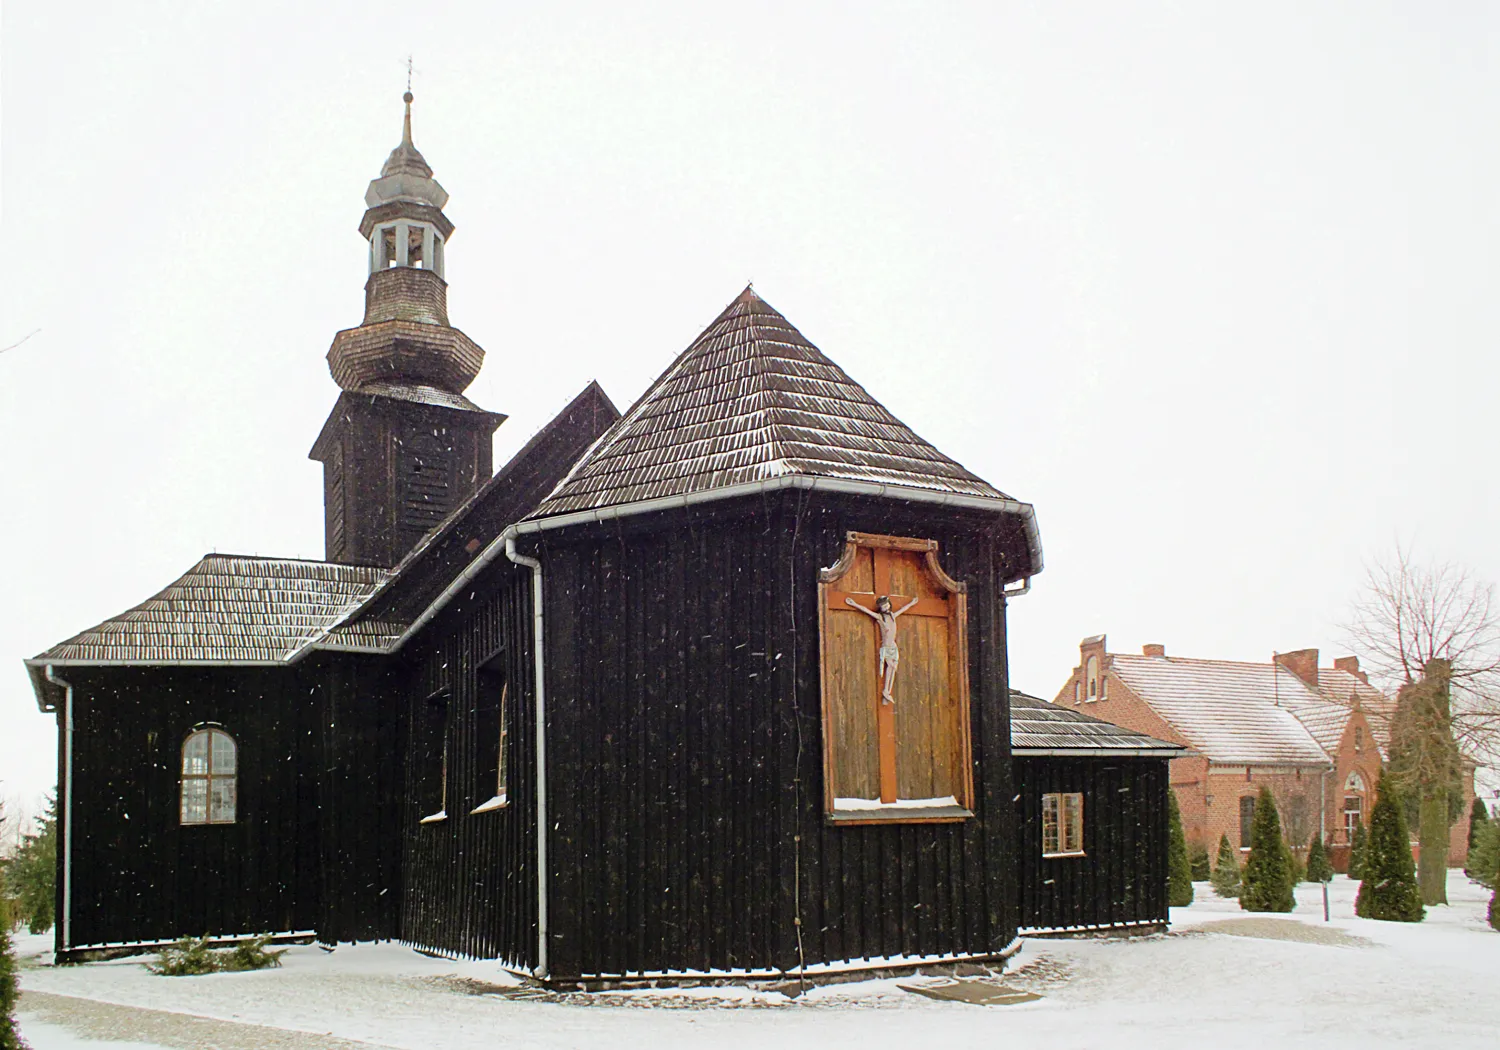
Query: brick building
pixel 1316 736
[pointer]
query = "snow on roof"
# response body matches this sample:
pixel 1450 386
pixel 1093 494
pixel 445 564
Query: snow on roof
pixel 1232 713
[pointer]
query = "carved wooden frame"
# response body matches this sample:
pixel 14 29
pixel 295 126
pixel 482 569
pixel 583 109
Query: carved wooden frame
pixel 958 681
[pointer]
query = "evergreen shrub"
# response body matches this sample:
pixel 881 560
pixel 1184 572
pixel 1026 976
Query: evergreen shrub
pixel 1268 872
pixel 1484 855
pixel 1179 870
pixel 31 875
pixel 1357 846
pixel 10 1032
pixel 1319 868
pixel 192 956
pixel 1388 886
pixel 1199 861
pixel 1226 873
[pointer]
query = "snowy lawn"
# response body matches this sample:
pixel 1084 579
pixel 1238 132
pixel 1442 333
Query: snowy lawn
pixel 1258 982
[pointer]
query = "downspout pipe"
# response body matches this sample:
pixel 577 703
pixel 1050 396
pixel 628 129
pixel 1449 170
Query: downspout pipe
pixel 65 927
pixel 540 676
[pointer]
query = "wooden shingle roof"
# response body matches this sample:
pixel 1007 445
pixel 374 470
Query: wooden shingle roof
pixel 751 400
pixel 1040 728
pixel 228 608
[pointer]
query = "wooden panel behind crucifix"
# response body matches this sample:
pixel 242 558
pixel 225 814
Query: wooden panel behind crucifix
pixel 894 676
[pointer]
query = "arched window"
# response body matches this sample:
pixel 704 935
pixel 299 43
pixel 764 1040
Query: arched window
pixel 1247 819
pixel 209 775
pixel 1093 677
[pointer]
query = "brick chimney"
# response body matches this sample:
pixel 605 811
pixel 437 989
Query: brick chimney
pixel 1154 649
pixel 1303 663
pixel 1351 664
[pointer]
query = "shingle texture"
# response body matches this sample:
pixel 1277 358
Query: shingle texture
pixel 751 400
pixel 1038 726
pixel 1232 713
pixel 227 608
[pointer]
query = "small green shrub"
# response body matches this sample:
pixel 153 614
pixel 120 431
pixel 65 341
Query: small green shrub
pixel 251 955
pixel 1199 861
pixel 1226 873
pixel 1179 872
pixel 1319 868
pixel 1484 854
pixel 10 1033
pixel 192 956
pixel 1388 889
pixel 1268 869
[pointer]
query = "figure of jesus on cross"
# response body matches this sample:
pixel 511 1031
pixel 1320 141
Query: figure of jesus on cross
pixel 890 653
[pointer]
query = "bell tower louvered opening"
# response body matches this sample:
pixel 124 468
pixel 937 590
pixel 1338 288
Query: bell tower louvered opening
pixel 403 447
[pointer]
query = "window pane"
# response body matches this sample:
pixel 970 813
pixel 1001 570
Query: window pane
pixel 194 801
pixel 223 752
pixel 1050 830
pixel 1073 823
pixel 195 754
pixel 221 803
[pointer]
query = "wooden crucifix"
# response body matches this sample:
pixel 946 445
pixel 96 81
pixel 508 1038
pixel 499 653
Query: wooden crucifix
pixel 869 579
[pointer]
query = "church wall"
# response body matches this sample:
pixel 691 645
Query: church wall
pixel 361 780
pixel 469 881
pixel 138 873
pixel 1121 879
pixel 686 791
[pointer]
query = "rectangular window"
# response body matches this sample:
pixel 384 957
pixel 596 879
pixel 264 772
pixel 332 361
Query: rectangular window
pixel 894 673
pixel 492 734
pixel 430 757
pixel 1354 811
pixel 1247 819
pixel 1062 824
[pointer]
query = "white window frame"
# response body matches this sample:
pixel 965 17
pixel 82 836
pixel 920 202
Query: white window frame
pixel 210 771
pixel 1062 816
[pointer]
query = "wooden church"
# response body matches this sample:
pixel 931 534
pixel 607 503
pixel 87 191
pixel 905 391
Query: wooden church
pixel 718 685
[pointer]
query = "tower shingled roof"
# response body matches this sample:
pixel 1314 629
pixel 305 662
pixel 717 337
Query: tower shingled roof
pixel 752 399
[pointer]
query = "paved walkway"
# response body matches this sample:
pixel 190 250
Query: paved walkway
pixel 91 1019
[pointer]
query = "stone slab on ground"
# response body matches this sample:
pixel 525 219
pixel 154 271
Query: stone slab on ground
pixel 1285 930
pixel 978 993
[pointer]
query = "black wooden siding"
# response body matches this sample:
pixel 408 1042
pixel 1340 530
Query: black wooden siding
pixel 469 882
pixel 1122 878
pixel 361 780
pixel 685 749
pixel 138 874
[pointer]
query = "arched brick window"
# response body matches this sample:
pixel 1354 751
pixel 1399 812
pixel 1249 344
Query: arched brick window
pixel 210 775
pixel 1247 819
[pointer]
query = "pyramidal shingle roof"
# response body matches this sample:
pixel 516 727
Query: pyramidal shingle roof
pixel 749 401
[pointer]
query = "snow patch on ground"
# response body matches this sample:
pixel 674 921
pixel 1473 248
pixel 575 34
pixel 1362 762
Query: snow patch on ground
pixel 1290 981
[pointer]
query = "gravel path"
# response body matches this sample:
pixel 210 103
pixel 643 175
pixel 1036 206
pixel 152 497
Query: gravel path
pixel 91 1019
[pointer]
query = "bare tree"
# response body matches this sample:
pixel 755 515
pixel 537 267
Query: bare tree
pixel 1430 633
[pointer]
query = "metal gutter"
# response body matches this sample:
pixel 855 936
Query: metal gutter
pixel 65 927
pixel 794 481
pixel 540 673
pixel 1100 752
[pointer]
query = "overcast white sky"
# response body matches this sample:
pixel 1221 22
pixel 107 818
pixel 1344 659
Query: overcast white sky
pixel 1214 288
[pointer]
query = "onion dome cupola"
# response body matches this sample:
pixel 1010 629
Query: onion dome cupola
pixel 403 447
pixel 405 335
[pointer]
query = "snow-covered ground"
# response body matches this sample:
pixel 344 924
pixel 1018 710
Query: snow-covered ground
pixel 1262 982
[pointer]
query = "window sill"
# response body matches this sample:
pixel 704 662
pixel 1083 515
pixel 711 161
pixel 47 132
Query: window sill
pixel 498 802
pixel 1060 856
pixel 436 818
pixel 914 811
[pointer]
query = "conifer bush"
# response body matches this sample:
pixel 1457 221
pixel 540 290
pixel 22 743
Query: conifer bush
pixel 1226 873
pixel 1268 870
pixel 1477 864
pixel 1179 870
pixel 31 875
pixel 1495 902
pixel 1199 861
pixel 1319 868
pixel 1388 886
pixel 192 956
pixel 1357 846
pixel 1484 855
pixel 10 1032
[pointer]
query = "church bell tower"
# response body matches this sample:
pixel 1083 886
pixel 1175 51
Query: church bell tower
pixel 403 447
